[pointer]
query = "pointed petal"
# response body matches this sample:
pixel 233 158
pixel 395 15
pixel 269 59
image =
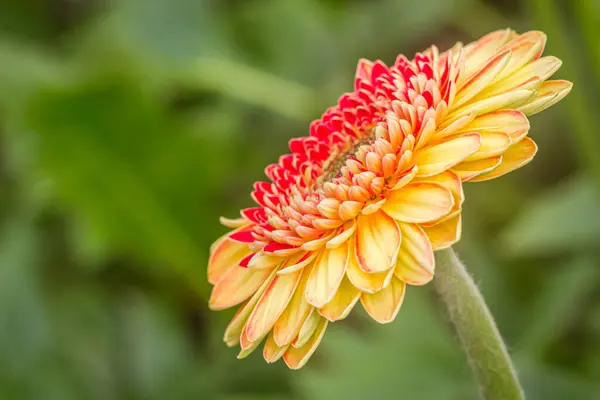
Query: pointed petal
pixel 525 48
pixel 548 94
pixel 419 202
pixel 225 254
pixel 492 144
pixel 502 101
pixel 444 234
pixel 445 154
pixel 416 263
pixel 271 304
pixel 326 275
pixel 515 157
pixel 342 303
pixel 482 78
pixel 377 242
pixel 295 358
pixel 296 262
pixel 236 286
pixel 262 260
pixel 247 348
pixel 478 52
pixel 514 123
pixel 470 169
pixel 289 323
pixel 234 330
pixel 234 222
pixel 308 328
pixel 368 282
pixel 271 351
pixel 384 305
pixel 346 232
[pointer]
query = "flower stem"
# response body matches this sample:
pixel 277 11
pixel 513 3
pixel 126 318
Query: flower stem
pixel 476 329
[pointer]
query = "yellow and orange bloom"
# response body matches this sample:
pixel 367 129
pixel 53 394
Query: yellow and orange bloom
pixel 357 209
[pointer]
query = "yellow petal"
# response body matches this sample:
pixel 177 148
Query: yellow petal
pixel 377 242
pixel 419 202
pixel 515 157
pixel 451 181
pixel 502 101
pixel 247 347
pixel 236 326
pixel 271 351
pixel 444 234
pixel 370 282
pixel 548 94
pixel 342 303
pixel 225 254
pixel 236 286
pixel 308 328
pixel 448 152
pixel 289 323
pixel 415 264
pixel 470 169
pixel 478 52
pixel 514 123
pixel 326 275
pixel 296 262
pixel 263 260
pixel 271 304
pixel 525 48
pixel 384 305
pixel 492 144
pixel 343 236
pixel 234 222
pixel 482 78
pixel 541 69
pixel 295 358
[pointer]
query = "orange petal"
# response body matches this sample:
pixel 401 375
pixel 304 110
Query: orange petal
pixel 308 328
pixel 470 169
pixel 271 351
pixel 419 202
pixel 448 152
pixel 370 282
pixel 514 123
pixel 225 254
pixel 295 358
pixel 515 157
pixel 326 275
pixel 377 242
pixel 384 305
pixel 247 347
pixel 271 304
pixel 492 144
pixel 342 303
pixel 416 263
pixel 236 286
pixel 444 234
pixel 289 323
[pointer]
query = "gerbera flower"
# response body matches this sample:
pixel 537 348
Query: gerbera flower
pixel 357 209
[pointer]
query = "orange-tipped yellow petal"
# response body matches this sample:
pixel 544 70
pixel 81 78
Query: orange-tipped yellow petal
pixel 502 101
pixel 289 323
pixel 326 275
pixel 515 157
pixel 492 144
pixel 444 234
pixel 415 263
pixel 368 282
pixel 478 52
pixel 482 78
pixel 470 169
pixel 448 152
pixel 451 181
pixel 384 305
pixel 235 286
pixel 295 358
pixel 548 94
pixel 342 303
pixel 271 304
pixel 225 254
pixel 525 48
pixel 271 351
pixel 514 123
pixel 419 202
pixel 377 242
pixel 308 328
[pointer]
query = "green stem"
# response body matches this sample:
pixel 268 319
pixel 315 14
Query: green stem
pixel 476 329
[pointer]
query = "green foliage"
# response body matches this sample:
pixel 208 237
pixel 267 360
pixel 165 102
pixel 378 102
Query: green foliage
pixel 128 126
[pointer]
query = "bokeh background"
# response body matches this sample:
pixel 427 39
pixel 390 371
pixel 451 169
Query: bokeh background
pixel 127 127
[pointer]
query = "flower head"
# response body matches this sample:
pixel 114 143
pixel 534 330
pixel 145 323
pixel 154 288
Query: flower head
pixel 357 209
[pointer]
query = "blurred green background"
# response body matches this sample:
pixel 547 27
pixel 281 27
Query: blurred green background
pixel 127 127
